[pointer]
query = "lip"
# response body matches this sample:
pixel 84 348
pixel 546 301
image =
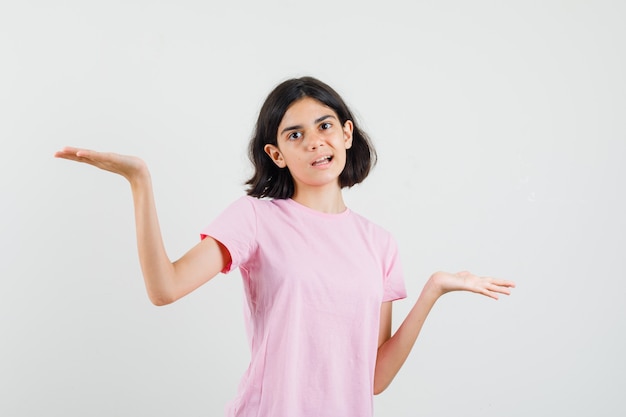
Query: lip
pixel 322 160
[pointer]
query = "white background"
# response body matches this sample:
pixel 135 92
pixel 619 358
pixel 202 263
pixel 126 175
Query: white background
pixel 502 142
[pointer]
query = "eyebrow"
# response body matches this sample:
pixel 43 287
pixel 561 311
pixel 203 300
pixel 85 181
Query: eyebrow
pixel 316 121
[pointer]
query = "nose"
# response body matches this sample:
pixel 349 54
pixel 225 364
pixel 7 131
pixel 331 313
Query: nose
pixel 314 141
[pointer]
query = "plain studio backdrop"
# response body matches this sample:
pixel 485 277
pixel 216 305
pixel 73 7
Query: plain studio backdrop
pixel 502 142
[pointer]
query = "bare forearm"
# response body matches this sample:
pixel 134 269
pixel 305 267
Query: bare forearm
pixel 157 269
pixel 393 353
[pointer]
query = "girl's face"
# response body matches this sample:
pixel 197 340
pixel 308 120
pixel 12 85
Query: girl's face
pixel 312 144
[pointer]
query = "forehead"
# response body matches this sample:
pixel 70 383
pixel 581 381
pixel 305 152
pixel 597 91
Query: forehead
pixel 305 110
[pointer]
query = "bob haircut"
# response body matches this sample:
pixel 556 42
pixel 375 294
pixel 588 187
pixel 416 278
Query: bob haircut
pixel 271 181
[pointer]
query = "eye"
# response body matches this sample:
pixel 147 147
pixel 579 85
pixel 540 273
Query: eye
pixel 294 136
pixel 325 126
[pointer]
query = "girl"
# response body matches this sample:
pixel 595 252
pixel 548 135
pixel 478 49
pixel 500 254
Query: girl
pixel 319 279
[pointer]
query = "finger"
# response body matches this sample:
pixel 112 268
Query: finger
pixel 91 155
pixel 488 293
pixel 500 282
pixel 72 153
pixel 100 160
pixel 499 289
pixel 503 283
pixel 67 151
pixel 86 155
pixel 69 156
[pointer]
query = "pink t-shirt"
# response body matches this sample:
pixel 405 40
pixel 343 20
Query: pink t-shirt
pixel 314 285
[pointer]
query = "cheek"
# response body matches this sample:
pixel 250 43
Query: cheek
pixel 292 159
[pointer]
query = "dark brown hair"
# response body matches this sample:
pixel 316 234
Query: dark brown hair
pixel 271 181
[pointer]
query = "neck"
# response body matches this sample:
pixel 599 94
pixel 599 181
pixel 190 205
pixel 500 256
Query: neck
pixel 322 199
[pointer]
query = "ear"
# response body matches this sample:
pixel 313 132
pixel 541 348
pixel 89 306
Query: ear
pixel 347 133
pixel 275 155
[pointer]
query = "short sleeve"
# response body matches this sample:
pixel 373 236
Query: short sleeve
pixel 235 228
pixel 394 288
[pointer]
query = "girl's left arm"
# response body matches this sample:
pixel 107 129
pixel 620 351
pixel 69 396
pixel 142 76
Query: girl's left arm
pixel 393 350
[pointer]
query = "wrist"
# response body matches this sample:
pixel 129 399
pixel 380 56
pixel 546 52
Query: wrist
pixel 139 175
pixel 435 284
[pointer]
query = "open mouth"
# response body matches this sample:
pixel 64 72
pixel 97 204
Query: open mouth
pixel 322 161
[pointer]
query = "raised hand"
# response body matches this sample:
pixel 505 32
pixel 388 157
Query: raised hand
pixel 130 167
pixel 165 281
pixel 466 281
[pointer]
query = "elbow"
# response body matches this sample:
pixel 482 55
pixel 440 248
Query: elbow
pixel 160 294
pixel 160 300
pixel 380 386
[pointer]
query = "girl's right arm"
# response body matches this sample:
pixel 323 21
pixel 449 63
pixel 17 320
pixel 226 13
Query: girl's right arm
pixel 165 281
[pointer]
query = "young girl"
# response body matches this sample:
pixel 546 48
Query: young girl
pixel 319 279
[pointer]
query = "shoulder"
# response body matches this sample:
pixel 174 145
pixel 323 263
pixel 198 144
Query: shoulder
pixel 255 208
pixel 379 236
pixel 262 205
pixel 248 203
pixel 370 224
